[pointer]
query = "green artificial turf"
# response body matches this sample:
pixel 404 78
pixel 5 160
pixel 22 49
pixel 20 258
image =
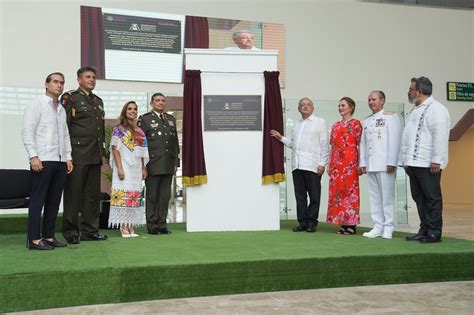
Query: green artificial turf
pixel 211 263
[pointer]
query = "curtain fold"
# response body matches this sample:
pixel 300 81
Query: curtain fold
pixel 273 170
pixel 196 34
pixel 194 165
pixel 92 40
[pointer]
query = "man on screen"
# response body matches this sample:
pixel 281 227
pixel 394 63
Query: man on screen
pixel 243 41
pixel 85 118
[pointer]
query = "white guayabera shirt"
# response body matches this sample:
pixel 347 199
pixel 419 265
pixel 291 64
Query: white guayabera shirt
pixel 425 137
pixel 309 141
pixel 45 133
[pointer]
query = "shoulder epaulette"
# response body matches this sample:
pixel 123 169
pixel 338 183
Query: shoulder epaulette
pixel 368 116
pixel 139 121
pixel 68 97
pixel 388 113
pixel 146 114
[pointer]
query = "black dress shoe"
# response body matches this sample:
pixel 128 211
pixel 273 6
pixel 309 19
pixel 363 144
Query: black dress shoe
pixel 72 240
pixel 164 231
pixel 154 231
pixel 54 243
pixel 40 246
pixel 311 229
pixel 299 228
pixel 416 237
pixel 430 239
pixel 94 237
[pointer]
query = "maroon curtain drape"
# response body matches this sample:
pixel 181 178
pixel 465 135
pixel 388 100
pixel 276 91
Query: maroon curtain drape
pixel 196 34
pixel 273 170
pixel 194 165
pixel 92 40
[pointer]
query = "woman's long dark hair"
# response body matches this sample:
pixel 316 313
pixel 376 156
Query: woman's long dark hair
pixel 123 121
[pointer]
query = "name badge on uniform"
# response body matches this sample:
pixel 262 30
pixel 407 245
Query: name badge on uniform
pixel 154 125
pixel 380 122
pixel 171 123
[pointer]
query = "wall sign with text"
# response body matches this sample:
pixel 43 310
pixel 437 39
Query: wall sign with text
pixel 460 91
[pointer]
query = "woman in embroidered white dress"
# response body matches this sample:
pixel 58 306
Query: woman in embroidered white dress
pixel 128 160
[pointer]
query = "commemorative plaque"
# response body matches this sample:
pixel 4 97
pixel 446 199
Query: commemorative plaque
pixel 232 112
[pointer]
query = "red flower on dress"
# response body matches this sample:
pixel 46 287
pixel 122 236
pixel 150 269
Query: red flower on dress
pixel 133 199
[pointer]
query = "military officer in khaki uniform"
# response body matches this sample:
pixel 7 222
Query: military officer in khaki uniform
pixel 85 118
pixel 163 148
pixel 379 148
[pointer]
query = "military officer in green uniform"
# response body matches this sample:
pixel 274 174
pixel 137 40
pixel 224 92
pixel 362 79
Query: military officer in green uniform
pixel 163 149
pixel 85 118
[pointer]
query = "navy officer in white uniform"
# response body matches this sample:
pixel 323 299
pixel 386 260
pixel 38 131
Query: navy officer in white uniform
pixel 379 149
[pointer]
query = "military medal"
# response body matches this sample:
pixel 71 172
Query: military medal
pixel 73 112
pixel 380 122
pixel 171 123
pixel 159 133
pixel 380 133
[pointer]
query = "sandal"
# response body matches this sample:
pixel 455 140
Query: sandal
pixel 125 232
pixel 342 230
pixel 351 230
pixel 132 232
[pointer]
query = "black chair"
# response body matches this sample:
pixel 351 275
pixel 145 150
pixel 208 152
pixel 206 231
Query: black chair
pixel 104 211
pixel 15 189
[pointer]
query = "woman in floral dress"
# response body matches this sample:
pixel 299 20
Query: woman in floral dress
pixel 128 161
pixel 343 201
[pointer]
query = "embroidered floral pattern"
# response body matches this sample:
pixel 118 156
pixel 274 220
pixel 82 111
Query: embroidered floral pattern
pixel 129 140
pixel 343 201
pixel 418 133
pixel 117 198
pixel 133 199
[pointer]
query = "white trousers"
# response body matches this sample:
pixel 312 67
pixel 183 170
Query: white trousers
pixel 382 200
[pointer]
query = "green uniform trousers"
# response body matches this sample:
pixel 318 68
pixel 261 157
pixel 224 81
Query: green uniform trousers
pixel 158 193
pixel 82 195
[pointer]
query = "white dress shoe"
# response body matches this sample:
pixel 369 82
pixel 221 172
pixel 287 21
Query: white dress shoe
pixel 387 235
pixel 372 234
pixel 134 235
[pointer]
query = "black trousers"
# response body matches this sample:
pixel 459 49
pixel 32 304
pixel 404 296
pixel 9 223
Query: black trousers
pixel 46 190
pixel 426 192
pixel 306 184
pixel 82 195
pixel 158 193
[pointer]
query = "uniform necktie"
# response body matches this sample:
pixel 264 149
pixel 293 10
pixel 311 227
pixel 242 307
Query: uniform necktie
pixel 161 117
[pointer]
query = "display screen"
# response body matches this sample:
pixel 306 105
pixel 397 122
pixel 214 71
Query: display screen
pixel 149 46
